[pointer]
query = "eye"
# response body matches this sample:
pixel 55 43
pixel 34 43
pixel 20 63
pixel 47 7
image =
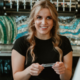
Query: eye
pixel 49 17
pixel 39 17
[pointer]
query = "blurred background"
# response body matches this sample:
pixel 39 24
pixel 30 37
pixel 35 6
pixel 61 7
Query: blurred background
pixel 14 16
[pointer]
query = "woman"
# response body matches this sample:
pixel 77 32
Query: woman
pixel 42 45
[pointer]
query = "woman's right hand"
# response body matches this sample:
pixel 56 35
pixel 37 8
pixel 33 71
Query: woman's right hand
pixel 35 69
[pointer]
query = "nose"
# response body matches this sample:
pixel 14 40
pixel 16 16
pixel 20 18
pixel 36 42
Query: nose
pixel 44 21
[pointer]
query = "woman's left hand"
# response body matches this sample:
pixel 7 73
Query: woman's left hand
pixel 59 67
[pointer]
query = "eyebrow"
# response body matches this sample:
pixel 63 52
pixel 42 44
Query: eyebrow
pixel 38 15
pixel 47 16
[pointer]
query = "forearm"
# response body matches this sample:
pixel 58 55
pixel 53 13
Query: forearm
pixel 66 75
pixel 22 75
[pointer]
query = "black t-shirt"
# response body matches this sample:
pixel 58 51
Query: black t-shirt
pixel 45 53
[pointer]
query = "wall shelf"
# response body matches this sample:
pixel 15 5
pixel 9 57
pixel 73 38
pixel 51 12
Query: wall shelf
pixel 23 7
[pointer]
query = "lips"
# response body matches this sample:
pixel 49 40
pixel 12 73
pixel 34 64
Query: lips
pixel 43 27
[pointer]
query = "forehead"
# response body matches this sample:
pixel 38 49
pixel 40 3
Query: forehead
pixel 44 12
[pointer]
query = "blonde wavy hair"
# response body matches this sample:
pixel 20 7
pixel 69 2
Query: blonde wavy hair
pixel 54 32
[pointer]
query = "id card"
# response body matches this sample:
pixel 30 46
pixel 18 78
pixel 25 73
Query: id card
pixel 48 65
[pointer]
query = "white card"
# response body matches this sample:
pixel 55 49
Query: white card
pixel 48 65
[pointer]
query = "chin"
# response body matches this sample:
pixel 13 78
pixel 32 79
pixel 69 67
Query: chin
pixel 43 33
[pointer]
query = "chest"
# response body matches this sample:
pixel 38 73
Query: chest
pixel 46 54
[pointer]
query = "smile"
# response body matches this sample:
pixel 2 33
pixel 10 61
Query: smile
pixel 43 27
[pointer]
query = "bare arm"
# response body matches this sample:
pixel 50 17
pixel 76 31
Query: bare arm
pixel 67 60
pixel 19 73
pixel 64 69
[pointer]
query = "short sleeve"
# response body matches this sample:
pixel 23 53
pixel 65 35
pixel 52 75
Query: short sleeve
pixel 66 45
pixel 20 46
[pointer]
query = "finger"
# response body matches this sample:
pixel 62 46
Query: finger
pixel 58 64
pixel 59 68
pixel 61 63
pixel 36 65
pixel 61 72
pixel 41 67
pixel 35 72
pixel 34 69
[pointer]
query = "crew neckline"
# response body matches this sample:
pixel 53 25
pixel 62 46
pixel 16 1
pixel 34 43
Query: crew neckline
pixel 42 39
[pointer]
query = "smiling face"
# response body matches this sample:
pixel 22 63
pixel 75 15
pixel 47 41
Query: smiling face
pixel 43 22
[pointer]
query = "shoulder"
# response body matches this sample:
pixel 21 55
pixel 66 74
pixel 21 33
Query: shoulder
pixel 21 45
pixel 21 40
pixel 64 38
pixel 65 45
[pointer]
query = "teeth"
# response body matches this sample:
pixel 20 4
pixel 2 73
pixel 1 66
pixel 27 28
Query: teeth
pixel 43 27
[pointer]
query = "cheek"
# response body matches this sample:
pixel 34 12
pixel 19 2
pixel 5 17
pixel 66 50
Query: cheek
pixel 37 22
pixel 51 23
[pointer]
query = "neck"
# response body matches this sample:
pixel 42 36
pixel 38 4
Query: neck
pixel 43 37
